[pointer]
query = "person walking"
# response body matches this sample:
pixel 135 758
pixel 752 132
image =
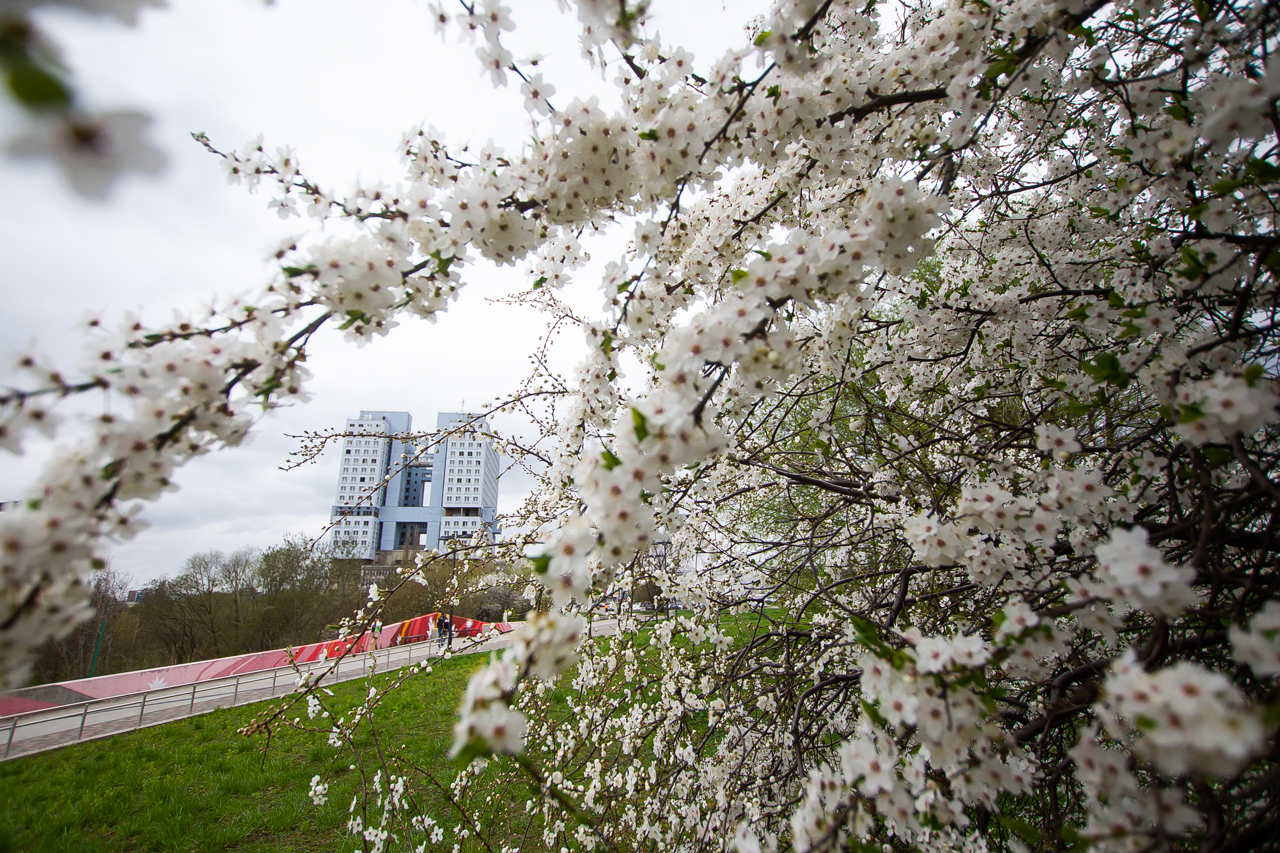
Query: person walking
pixel 446 631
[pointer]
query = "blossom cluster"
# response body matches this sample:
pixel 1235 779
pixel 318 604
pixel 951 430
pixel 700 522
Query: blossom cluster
pixel 936 383
pixel 1186 717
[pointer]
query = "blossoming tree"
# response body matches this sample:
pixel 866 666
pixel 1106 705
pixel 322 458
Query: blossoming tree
pixel 944 356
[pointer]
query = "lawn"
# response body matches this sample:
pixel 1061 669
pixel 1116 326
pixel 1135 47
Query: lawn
pixel 197 785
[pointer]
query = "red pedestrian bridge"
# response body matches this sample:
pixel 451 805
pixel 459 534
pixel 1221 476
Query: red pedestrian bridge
pixel 52 715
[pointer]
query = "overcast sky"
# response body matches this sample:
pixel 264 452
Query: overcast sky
pixel 340 82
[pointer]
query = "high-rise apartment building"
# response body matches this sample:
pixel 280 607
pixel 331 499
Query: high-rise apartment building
pixel 395 494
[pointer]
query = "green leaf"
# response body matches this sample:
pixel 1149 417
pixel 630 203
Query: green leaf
pixel 1077 409
pixel 1253 373
pixel 1179 112
pixel 1086 34
pixel 37 88
pixel 651 135
pixel 611 461
pixel 1194 267
pixel 1228 186
pixel 294 272
pixel 1262 171
pixel 999 67
pixel 268 387
pixel 475 748
pixel 1107 362
pixel 874 713
pixel 641 424
pixel 1106 368
pixel 762 38
pixel 862 624
pixel 626 19
pixel 541 280
pixel 354 316
pixel 1020 828
pixel 541 564
pixel 1188 414
pixel 442 263
pixel 738 275
pixel 869 635
pixel 1216 457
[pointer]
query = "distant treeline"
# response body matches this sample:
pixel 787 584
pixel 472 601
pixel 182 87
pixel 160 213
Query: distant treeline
pixel 252 600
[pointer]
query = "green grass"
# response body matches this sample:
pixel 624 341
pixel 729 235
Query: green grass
pixel 196 785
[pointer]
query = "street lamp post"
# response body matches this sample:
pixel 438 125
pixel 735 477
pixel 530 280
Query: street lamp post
pixel 453 595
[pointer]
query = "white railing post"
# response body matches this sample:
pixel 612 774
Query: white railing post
pixel 83 715
pixel 274 673
pixel 235 694
pixel 12 728
pixel 142 711
pixel 192 707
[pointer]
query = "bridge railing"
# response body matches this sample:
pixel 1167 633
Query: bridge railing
pixel 48 728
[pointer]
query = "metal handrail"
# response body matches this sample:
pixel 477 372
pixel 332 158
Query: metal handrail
pixel 187 694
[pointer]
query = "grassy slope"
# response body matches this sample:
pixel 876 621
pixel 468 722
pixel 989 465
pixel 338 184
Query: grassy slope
pixel 195 785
